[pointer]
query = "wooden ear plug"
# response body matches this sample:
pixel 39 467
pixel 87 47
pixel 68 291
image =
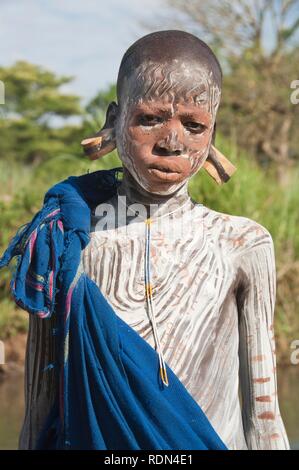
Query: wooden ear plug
pixel 102 143
pixel 217 165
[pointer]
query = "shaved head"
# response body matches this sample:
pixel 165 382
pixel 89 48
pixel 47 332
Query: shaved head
pixel 166 63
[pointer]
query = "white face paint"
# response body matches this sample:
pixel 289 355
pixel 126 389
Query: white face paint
pixel 166 121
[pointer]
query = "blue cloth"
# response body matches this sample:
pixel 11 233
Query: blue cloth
pixel 110 392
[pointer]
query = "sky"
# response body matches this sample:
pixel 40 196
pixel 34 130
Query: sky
pixel 82 38
pixel 85 39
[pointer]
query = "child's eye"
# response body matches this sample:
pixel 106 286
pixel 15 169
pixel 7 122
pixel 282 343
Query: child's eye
pixel 149 120
pixel 195 127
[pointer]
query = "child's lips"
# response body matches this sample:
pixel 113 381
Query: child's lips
pixel 169 170
pixel 170 165
pixel 166 175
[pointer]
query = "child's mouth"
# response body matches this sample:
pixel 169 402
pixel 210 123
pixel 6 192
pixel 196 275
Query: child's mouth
pixel 171 169
pixel 166 170
pixel 164 173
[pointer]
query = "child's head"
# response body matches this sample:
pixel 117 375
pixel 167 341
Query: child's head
pixel 168 90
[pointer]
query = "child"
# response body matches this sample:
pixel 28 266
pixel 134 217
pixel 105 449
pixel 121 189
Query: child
pixel 147 306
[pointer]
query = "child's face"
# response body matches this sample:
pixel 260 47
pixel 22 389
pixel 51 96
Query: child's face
pixel 163 141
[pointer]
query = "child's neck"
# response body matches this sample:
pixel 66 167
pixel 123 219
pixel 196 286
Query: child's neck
pixel 158 204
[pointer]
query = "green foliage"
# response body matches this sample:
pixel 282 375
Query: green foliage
pixel 34 93
pixel 34 105
pixel 12 319
pixel 257 111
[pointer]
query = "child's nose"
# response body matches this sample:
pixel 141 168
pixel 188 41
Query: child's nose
pixel 171 144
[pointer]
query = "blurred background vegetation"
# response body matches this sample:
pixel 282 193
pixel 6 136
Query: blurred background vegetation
pixel 41 128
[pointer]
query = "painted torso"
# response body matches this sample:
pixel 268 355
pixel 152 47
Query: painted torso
pixel 205 279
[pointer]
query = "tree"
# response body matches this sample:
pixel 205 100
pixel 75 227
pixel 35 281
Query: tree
pixel 34 108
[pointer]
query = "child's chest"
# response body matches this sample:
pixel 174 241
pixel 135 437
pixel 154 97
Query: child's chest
pixel 186 276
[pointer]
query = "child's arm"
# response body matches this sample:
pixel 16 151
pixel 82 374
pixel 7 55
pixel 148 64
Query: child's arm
pixel 262 422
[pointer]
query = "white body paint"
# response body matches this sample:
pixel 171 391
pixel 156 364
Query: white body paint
pixel 201 315
pixel 214 294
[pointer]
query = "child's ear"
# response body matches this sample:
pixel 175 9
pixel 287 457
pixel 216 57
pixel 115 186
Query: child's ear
pixel 103 141
pixel 111 115
pixel 217 165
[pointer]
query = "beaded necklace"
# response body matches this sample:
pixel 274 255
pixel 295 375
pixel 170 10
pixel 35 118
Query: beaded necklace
pixel 149 288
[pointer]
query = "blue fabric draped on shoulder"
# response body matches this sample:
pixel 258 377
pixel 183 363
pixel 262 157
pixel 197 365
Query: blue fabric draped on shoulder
pixel 110 393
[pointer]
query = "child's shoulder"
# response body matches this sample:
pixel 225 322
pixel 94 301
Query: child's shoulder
pixel 235 231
